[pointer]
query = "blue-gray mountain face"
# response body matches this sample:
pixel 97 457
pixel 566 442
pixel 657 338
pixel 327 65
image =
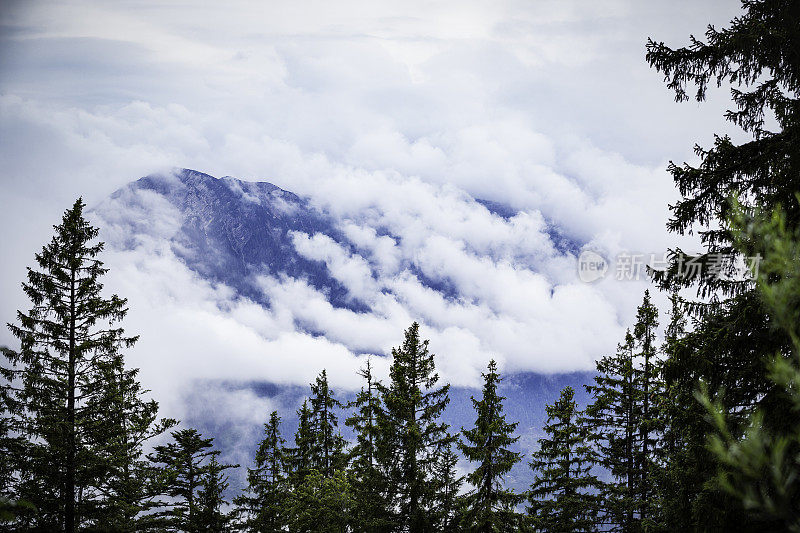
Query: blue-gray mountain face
pixel 234 229
pixel 229 231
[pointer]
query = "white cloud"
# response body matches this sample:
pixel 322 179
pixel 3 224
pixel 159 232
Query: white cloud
pixel 193 330
pixel 392 117
pixel 382 249
pixel 351 270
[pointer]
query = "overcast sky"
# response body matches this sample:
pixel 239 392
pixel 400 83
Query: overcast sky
pixel 403 111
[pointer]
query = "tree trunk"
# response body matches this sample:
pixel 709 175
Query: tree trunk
pixel 69 489
pixel 645 429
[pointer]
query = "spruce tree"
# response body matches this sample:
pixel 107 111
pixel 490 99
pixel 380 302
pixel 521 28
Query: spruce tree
pixel 412 436
pixel 211 516
pixel 367 478
pixel 321 505
pixel 129 483
pixel 185 464
pixel 762 469
pixel 650 385
pixel 490 506
pixel 449 505
pixel 561 495
pixel 68 340
pixel 614 419
pixel 626 423
pixel 8 442
pixel 328 451
pixel 12 447
pixel 677 452
pixel 301 457
pixel 263 506
pixel 733 331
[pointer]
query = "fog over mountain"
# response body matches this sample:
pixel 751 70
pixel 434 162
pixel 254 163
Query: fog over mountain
pixel 391 163
pixel 353 280
pixel 247 291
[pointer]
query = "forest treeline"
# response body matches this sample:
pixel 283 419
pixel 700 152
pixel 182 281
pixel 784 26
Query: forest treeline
pixel 697 429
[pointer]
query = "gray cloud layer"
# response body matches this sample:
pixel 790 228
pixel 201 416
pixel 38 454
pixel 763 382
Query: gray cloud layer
pixel 386 114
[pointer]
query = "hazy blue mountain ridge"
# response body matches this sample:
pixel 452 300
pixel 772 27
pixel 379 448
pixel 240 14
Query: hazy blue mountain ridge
pixel 231 230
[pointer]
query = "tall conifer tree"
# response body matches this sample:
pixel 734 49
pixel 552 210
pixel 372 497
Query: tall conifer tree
pixel 129 483
pixel 412 435
pixel 614 419
pixel 678 452
pixel 263 506
pixel 450 505
pixel 625 422
pixel 70 342
pixel 490 507
pixel 12 446
pixel 186 464
pixel 733 331
pixel 561 495
pixel 649 384
pixel 301 457
pixel 211 514
pixel 328 451
pixel 368 479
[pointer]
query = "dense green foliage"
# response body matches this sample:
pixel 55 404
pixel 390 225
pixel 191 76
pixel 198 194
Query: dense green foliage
pixel 732 331
pixel 490 506
pixel 412 437
pixel 321 505
pixel 193 481
pixel 762 470
pixel 561 495
pixel 263 506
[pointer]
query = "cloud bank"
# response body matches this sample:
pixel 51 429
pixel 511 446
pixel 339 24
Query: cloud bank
pixel 392 117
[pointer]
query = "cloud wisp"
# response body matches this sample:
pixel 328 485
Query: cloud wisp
pixel 392 118
pixel 482 286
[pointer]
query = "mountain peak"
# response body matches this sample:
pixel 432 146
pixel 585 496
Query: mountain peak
pixel 231 230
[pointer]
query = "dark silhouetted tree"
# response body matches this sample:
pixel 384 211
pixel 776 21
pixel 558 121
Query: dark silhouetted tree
pixel 412 435
pixel 367 479
pixel 562 495
pixel 648 381
pixel 211 515
pixel 67 373
pixel 328 450
pixel 188 464
pixel 263 506
pixel 733 332
pixel 614 418
pixel 129 484
pixel 449 506
pixel 301 457
pixel 490 507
